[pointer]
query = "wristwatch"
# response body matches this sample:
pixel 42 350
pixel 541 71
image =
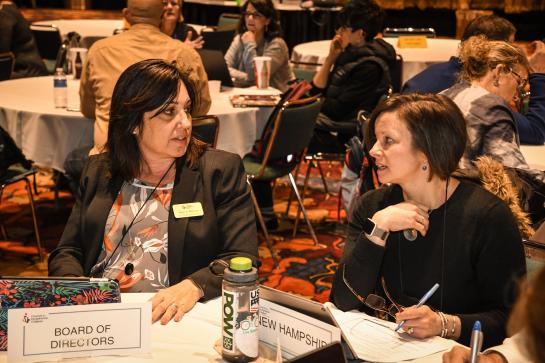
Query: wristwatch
pixel 371 229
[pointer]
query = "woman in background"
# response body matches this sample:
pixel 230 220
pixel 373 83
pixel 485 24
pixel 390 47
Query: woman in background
pixel 158 206
pixel 259 34
pixel 425 227
pixel 172 24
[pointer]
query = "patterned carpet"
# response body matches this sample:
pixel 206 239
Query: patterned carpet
pixel 304 268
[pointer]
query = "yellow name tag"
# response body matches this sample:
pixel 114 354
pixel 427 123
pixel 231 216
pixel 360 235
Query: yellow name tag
pixel 188 210
pixel 412 41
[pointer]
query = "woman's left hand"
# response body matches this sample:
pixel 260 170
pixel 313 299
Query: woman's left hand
pixel 174 302
pixel 423 321
pixel 195 44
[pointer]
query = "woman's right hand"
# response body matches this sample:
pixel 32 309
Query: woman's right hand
pixel 248 37
pixel 336 47
pixel 461 355
pixel 402 216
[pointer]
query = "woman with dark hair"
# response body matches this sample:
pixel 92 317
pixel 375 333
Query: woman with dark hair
pixel 259 34
pixel 158 206
pixel 425 227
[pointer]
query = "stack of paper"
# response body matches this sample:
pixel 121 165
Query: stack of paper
pixel 375 340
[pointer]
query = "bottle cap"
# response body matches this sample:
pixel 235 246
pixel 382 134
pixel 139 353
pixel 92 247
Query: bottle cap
pixel 240 264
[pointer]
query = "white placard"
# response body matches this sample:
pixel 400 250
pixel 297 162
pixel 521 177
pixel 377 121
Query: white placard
pixel 39 334
pixel 298 333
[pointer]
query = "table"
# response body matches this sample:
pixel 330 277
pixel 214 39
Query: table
pixel 190 340
pixel 47 134
pixel 414 59
pixel 534 155
pixel 91 27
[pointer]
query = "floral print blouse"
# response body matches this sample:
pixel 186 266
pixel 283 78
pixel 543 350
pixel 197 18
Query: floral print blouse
pixel 145 245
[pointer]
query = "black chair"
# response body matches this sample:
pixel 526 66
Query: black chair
pixel 48 39
pixel 87 42
pixel 228 19
pixel 7 61
pixel 396 32
pixel 206 128
pixel 396 74
pixel 292 131
pixel 19 170
pixel 218 39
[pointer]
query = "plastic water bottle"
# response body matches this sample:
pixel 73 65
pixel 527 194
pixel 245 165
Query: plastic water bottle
pixel 240 311
pixel 60 89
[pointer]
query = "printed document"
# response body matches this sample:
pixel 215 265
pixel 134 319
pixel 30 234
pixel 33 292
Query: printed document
pixel 375 340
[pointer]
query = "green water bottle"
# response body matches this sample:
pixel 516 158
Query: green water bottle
pixel 240 311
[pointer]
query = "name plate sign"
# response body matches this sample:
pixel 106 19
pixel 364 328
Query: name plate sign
pixel 39 334
pixel 298 333
pixel 412 41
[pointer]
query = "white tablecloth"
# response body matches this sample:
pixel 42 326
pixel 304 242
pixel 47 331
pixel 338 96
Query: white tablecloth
pixel 91 27
pixel 46 134
pixel 534 155
pixel 191 340
pixel 414 59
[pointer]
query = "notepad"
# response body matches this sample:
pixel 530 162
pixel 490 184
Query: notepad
pixel 254 100
pixel 375 340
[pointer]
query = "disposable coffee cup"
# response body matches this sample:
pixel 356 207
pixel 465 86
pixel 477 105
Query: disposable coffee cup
pixel 214 87
pixel 75 63
pixel 262 71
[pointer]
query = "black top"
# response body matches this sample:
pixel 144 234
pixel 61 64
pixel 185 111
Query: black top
pixel 16 37
pixel 483 259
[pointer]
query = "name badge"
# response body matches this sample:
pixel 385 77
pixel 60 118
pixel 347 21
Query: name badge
pixel 188 210
pixel 39 334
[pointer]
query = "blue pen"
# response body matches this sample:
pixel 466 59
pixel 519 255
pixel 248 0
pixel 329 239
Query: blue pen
pixel 476 342
pixel 421 302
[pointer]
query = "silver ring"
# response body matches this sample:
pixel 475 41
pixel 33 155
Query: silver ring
pixel 410 331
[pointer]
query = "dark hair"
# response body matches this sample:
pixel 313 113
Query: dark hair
pixel 267 9
pixel 493 27
pixel 362 14
pixel 144 86
pixel 436 124
pixel 528 315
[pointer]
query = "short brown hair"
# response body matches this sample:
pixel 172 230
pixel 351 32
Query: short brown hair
pixel 479 55
pixel 436 124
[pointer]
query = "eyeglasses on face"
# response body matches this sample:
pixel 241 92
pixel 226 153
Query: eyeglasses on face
pixel 255 14
pixel 172 3
pixel 521 82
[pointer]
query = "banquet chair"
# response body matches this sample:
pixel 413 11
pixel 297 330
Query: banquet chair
pixel 87 42
pixel 48 40
pixel 7 61
pixel 396 32
pixel 19 170
pixel 206 128
pixel 291 133
pixel 228 19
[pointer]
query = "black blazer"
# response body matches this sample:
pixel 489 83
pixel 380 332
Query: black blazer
pixel 226 229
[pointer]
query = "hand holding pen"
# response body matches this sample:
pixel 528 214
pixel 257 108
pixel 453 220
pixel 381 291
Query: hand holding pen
pixel 422 301
pixel 476 342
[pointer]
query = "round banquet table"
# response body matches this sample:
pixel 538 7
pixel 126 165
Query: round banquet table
pixel 47 134
pixel 414 59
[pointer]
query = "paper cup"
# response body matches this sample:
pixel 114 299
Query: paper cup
pixel 214 87
pixel 262 71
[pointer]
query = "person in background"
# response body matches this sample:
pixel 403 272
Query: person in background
pixel 172 24
pixel 109 57
pixel 527 322
pixel 16 37
pixel 424 226
pixel 128 221
pixel 494 74
pixel 354 76
pixel 438 77
pixel 259 34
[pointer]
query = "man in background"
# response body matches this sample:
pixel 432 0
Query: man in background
pixel 109 57
pixel 16 37
pixel 438 77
